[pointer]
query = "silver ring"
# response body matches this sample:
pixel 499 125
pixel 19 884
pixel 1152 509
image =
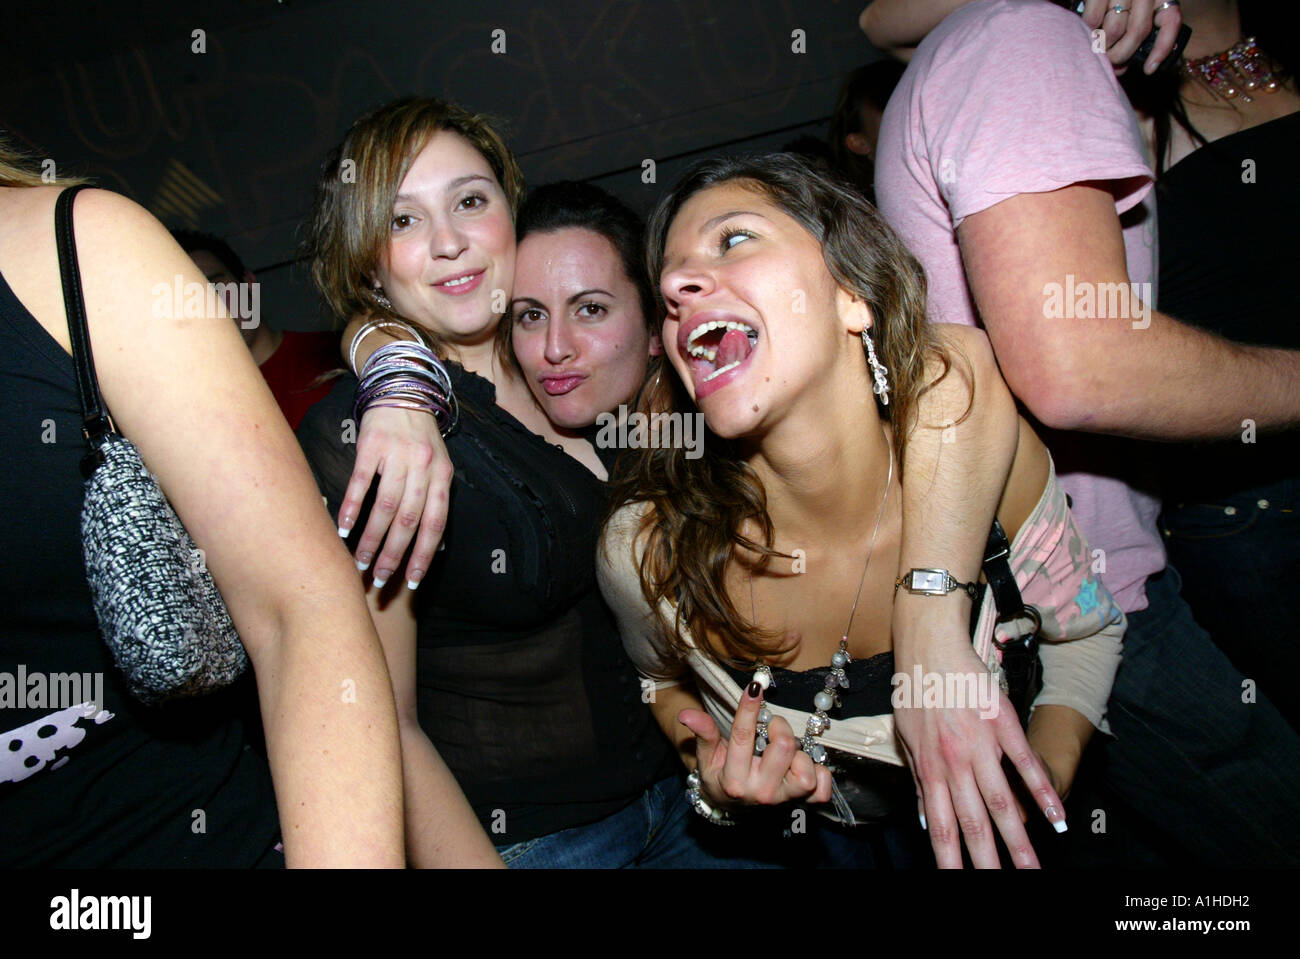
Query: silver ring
pixel 1167 4
pixel 1119 9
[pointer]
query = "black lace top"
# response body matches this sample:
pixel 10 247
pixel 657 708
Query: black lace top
pixel 522 681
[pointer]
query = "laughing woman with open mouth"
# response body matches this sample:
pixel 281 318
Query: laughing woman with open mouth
pixel 755 585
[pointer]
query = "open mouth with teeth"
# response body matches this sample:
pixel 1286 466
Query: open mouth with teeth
pixel 719 347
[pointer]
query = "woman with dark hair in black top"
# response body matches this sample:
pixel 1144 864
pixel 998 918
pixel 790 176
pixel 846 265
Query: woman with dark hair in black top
pixel 1225 140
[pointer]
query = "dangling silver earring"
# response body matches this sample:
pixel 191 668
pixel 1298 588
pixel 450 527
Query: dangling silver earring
pixel 383 301
pixel 878 371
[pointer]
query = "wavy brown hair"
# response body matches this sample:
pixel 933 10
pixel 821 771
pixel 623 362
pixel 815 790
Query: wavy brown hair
pixel 352 211
pixel 697 508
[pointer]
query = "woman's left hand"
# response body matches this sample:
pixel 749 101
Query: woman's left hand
pixel 406 449
pixel 956 756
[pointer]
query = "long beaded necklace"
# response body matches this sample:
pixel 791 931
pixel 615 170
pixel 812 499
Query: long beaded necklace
pixel 828 698
pixel 1239 71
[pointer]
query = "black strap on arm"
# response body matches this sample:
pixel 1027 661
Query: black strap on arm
pixel 997 572
pixel 1020 664
pixel 96 423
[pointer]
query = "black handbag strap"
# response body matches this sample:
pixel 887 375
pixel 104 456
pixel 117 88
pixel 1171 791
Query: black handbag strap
pixel 97 425
pixel 997 571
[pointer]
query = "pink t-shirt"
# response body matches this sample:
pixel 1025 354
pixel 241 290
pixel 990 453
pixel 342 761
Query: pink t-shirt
pixel 1008 97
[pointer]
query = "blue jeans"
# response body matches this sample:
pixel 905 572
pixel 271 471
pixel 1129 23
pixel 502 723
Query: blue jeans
pixel 1240 564
pixel 661 831
pixel 888 845
pixel 1214 777
pixel 658 831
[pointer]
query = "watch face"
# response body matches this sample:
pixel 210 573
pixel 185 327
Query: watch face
pixel 929 580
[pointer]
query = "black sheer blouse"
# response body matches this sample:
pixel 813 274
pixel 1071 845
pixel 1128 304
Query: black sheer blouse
pixel 522 682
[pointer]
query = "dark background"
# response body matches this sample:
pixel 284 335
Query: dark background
pixel 230 140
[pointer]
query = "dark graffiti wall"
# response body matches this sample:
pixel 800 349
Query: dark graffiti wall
pixel 217 115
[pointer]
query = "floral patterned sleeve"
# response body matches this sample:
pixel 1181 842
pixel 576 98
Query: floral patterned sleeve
pixel 1082 625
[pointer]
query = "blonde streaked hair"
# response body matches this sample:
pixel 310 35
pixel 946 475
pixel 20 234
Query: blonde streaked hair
pixel 353 208
pixel 17 169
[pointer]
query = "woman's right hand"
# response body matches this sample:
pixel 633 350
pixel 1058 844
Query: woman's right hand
pixel 732 775
pixel 1126 30
pixel 406 449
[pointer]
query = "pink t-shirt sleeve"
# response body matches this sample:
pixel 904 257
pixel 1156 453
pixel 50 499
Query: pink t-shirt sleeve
pixel 1007 97
pixel 1015 101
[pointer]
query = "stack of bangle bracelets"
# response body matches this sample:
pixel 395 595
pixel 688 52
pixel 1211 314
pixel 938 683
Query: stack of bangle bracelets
pixel 407 375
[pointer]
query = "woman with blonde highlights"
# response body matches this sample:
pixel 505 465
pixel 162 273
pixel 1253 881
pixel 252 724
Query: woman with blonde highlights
pixel 523 730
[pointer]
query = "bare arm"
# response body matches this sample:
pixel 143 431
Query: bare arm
pixel 1059 734
pixel 1114 374
pixel 897 26
pixel 954 478
pixel 955 473
pixel 441 827
pixel 187 393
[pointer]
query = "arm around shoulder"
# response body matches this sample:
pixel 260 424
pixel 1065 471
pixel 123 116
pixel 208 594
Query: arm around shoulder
pixel 959 452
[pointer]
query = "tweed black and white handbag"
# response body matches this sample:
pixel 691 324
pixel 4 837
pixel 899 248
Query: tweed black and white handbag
pixel 157 605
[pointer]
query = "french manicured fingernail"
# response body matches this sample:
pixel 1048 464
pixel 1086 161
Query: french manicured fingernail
pixel 924 825
pixel 414 581
pixel 1056 818
pixel 381 577
pixel 345 532
pixel 363 561
pixel 754 690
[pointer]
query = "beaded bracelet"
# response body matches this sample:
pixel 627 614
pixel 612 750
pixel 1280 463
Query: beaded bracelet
pixel 408 376
pixel 700 805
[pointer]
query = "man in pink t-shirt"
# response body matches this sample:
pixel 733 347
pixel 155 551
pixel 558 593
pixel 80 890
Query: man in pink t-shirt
pixel 1011 164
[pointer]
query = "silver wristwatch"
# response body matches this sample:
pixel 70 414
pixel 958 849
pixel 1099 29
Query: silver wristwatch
pixel 933 582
